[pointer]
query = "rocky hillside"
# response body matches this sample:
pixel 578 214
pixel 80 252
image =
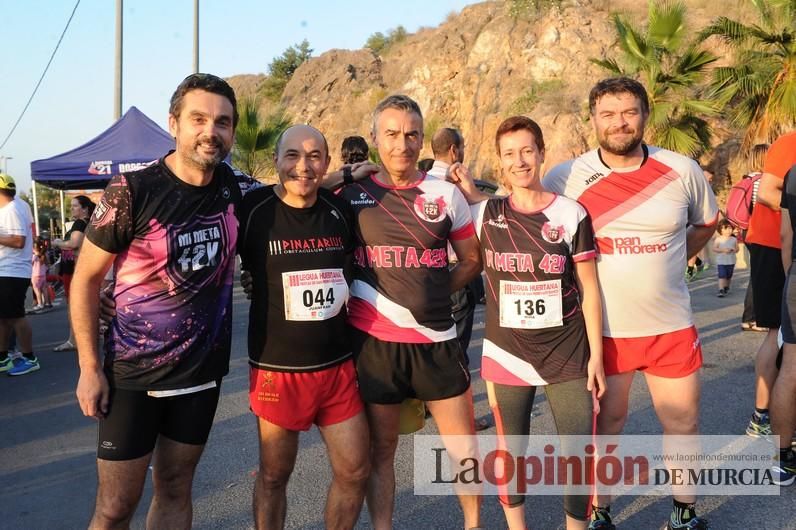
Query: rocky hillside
pixel 472 71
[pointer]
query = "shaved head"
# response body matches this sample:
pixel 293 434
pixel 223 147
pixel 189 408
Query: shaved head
pixel 301 160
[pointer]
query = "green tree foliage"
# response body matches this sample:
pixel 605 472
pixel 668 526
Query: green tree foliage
pixel 548 90
pixel 672 70
pixel 373 155
pixel 49 203
pixel 283 67
pixel 527 9
pixel 379 43
pixel 255 139
pixel 759 87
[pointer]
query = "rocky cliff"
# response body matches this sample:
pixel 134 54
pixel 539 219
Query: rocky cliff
pixel 478 67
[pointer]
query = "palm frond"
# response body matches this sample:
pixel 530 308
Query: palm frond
pixel 631 41
pixel 609 64
pixel 764 11
pixel 678 137
pixel 754 85
pixel 666 24
pixel 730 31
pixel 706 107
pixel 724 75
pixel 782 37
pixel 255 137
pixel 693 61
pixel 781 105
pixel 659 113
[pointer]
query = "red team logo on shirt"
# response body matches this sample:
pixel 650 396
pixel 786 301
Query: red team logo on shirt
pixel 431 210
pixel 552 234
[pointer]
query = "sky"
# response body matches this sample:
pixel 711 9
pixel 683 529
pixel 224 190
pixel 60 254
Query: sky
pixel 75 101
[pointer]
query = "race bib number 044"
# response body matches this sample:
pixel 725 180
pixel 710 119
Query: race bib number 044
pixel 530 305
pixel 315 294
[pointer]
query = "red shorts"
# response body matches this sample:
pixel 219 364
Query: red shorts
pixel 675 354
pixel 296 400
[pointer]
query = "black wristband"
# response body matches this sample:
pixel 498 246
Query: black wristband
pixel 348 177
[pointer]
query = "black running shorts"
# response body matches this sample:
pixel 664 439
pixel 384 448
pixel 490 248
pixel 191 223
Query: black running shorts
pixel 390 372
pixel 135 420
pixel 767 279
pixel 13 292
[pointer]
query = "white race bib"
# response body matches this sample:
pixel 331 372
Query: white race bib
pixel 314 295
pixel 530 305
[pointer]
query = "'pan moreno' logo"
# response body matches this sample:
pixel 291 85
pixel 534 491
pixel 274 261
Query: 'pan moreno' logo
pixel 628 246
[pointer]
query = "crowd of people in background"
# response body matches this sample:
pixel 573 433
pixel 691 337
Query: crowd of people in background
pixel 45 265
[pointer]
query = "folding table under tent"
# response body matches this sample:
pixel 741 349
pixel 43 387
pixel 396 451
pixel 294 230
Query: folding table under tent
pixel 132 143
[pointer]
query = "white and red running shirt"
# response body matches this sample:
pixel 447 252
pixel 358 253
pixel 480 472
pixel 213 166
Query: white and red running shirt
pixel 401 288
pixel 535 330
pixel 639 217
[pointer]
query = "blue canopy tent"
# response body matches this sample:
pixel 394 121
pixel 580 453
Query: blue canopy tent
pixel 132 143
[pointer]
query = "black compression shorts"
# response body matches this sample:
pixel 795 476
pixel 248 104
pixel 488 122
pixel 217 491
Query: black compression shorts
pixel 135 420
pixel 390 372
pixel 571 405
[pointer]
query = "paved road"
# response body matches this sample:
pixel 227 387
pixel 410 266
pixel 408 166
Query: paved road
pixel 48 478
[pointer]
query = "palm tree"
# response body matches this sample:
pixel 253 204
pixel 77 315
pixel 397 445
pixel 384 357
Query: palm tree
pixel 671 69
pixel 255 139
pixel 759 87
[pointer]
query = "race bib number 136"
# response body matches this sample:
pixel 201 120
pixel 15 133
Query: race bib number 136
pixel 315 294
pixel 530 305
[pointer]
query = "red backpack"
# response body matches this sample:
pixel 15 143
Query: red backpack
pixel 741 200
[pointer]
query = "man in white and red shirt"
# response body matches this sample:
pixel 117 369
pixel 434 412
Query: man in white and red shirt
pixel 651 210
pixel 404 337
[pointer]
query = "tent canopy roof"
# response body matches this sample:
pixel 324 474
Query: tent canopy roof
pixel 131 143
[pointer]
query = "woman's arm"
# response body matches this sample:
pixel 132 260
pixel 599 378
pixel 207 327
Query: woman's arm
pixel 73 243
pixel 589 287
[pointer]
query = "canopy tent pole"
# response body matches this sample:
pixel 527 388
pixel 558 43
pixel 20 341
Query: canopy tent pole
pixel 35 208
pixel 117 78
pixel 63 215
pixel 196 36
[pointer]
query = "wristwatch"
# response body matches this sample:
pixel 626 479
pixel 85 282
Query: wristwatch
pixel 348 177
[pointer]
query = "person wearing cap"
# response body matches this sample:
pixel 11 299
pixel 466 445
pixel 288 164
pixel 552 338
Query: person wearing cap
pixel 16 252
